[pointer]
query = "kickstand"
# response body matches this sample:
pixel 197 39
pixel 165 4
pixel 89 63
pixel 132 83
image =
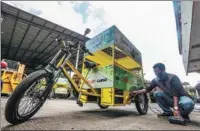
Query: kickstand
pixel 79 103
pixel 78 100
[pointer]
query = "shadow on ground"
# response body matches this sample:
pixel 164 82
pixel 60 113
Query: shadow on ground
pixel 111 113
pixel 77 116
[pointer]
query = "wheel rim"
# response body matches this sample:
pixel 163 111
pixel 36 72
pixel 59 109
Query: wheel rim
pixel 32 98
pixel 141 100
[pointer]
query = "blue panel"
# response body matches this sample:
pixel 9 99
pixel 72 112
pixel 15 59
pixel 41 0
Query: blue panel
pixel 101 41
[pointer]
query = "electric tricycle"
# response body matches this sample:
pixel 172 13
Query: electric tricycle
pixel 111 69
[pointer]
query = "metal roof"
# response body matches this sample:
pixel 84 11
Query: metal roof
pixel 177 8
pixel 30 39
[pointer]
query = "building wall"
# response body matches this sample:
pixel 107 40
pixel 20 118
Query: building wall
pixel 183 15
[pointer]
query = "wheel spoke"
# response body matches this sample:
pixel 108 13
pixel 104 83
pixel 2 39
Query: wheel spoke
pixel 23 102
pixel 30 105
pixel 24 109
pixel 141 101
pixel 30 89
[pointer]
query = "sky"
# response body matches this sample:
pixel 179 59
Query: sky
pixel 149 25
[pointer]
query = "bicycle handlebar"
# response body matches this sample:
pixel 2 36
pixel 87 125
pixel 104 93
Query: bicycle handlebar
pixel 72 44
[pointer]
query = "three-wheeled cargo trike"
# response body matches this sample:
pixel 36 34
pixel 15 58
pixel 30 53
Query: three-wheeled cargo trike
pixel 111 69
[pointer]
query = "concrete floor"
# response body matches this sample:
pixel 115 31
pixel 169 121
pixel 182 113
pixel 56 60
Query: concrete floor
pixel 66 115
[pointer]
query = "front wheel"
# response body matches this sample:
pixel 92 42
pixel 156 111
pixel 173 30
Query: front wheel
pixel 141 103
pixel 28 97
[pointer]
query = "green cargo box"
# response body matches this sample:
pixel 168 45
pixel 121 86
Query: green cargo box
pixel 113 36
pixel 113 75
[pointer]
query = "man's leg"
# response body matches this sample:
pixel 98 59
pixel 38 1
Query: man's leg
pixel 186 105
pixel 164 101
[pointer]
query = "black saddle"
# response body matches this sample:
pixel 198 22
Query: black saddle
pixel 89 64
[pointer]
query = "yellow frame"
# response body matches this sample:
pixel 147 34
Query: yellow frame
pixel 83 94
pixel 11 79
pixel 67 75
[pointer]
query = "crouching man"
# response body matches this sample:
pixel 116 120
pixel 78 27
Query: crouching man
pixel 172 94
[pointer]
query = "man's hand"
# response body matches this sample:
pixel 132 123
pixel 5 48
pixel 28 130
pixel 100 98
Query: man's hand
pixel 177 114
pixel 138 92
pixel 176 111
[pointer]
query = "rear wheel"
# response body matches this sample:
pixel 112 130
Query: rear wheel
pixel 100 105
pixel 141 103
pixel 103 106
pixel 28 97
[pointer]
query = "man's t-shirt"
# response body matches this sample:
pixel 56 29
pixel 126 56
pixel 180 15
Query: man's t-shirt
pixel 176 87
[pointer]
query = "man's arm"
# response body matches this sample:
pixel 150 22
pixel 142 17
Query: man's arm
pixel 175 98
pixel 152 86
pixel 176 86
pixel 148 89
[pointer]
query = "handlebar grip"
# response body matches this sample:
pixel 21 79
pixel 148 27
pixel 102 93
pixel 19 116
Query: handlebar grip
pixel 58 40
pixel 70 43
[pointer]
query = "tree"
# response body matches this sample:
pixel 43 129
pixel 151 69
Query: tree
pixel 186 84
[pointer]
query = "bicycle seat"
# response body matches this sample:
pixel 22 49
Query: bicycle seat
pixel 89 64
